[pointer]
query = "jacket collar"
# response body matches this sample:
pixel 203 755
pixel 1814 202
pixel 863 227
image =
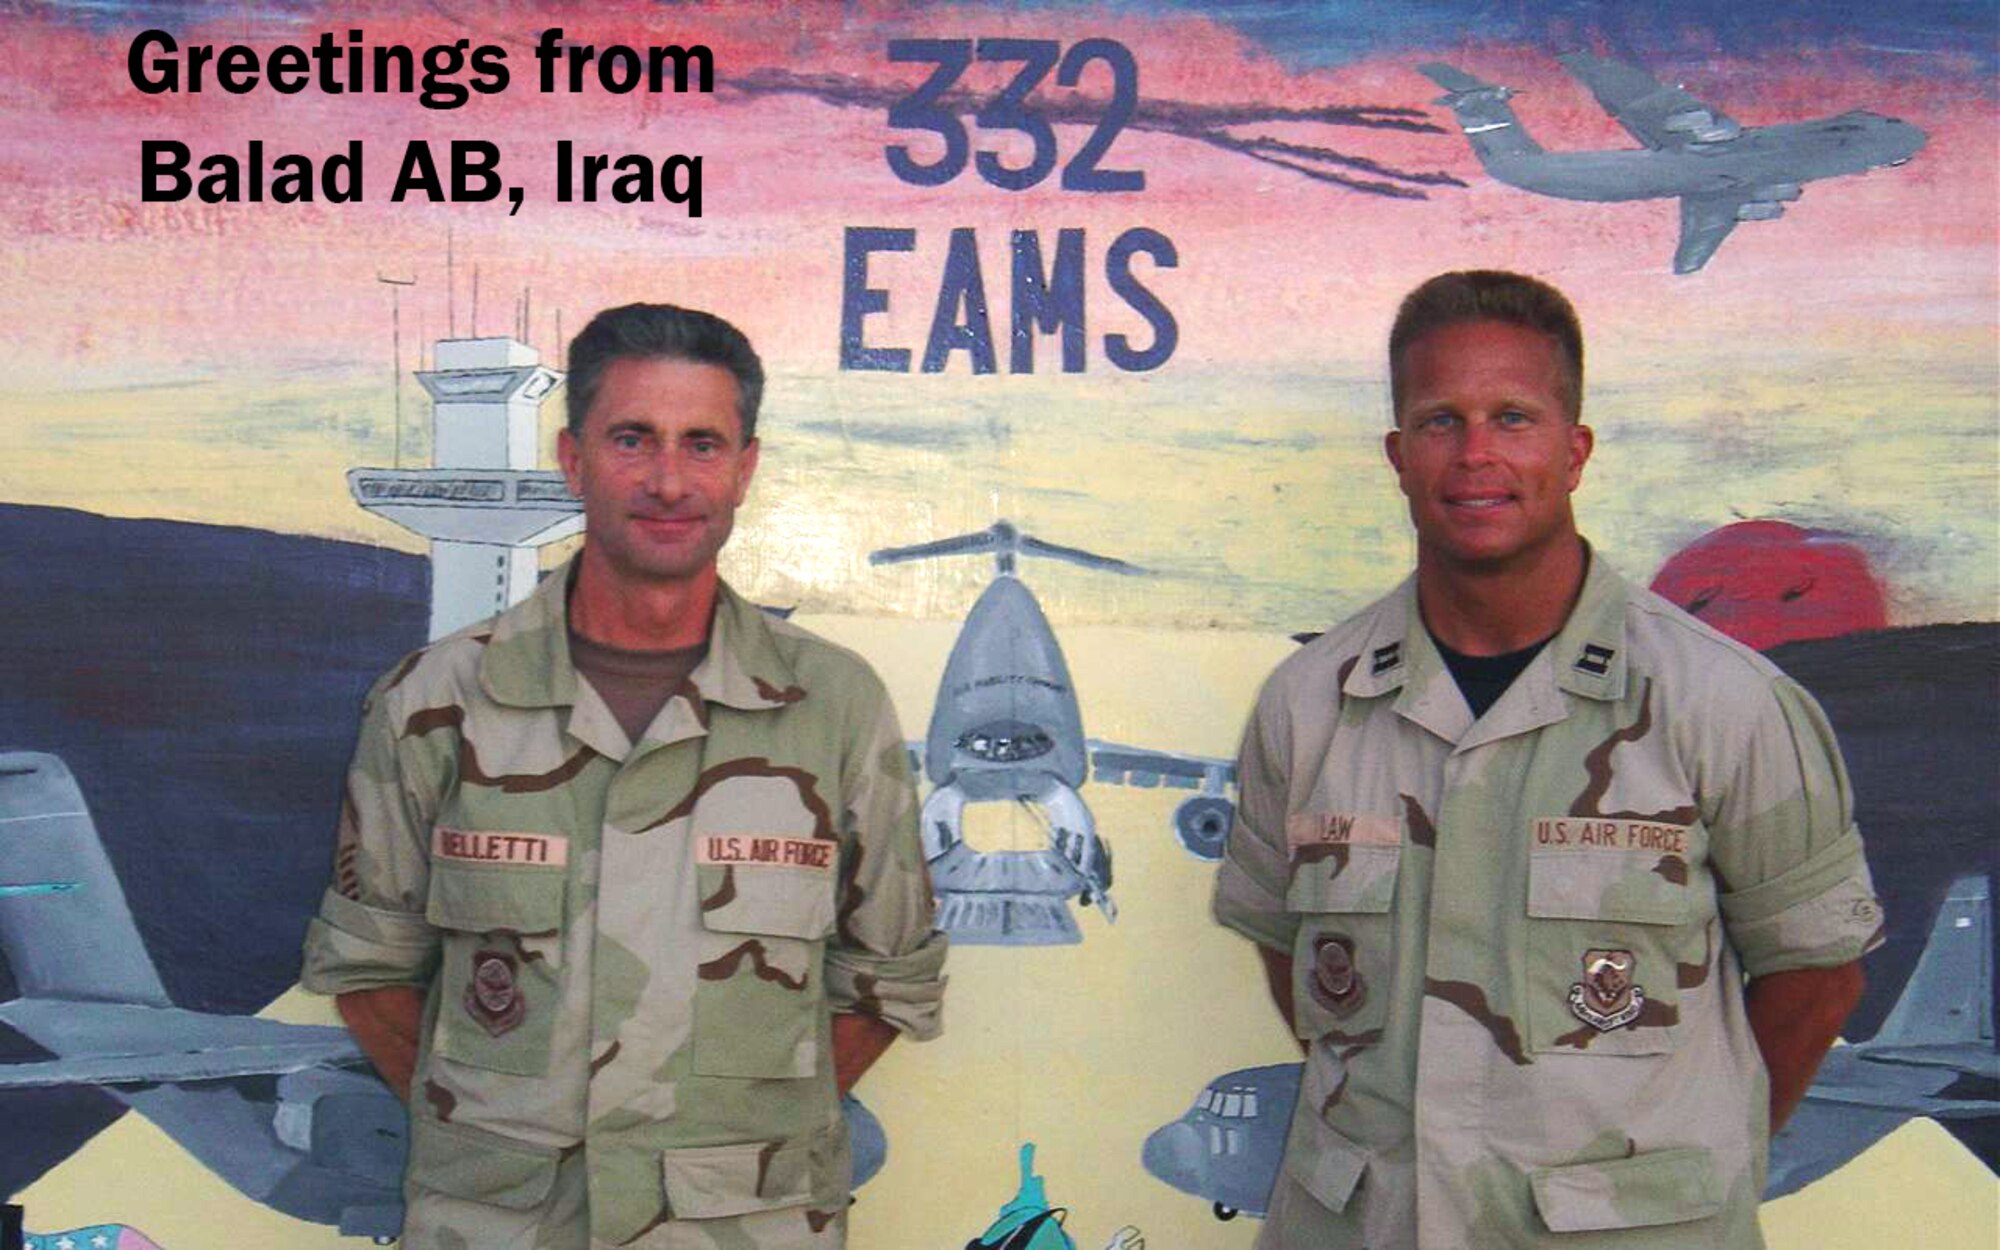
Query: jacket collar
pixel 527 663
pixel 1585 658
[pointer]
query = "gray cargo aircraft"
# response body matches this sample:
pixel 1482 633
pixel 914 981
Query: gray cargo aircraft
pixel 1934 1056
pixel 1006 728
pixel 291 1115
pixel 1722 171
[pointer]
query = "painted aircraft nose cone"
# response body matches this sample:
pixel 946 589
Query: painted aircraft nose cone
pixel 1174 1153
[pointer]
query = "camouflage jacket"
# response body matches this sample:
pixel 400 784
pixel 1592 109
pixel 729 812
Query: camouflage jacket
pixel 1518 942
pixel 630 948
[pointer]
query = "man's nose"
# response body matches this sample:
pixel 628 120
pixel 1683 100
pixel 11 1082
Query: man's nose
pixel 666 477
pixel 1475 441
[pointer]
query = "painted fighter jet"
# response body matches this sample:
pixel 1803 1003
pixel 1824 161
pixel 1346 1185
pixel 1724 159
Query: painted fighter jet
pixel 1722 171
pixel 1006 728
pixel 290 1115
pixel 1934 1056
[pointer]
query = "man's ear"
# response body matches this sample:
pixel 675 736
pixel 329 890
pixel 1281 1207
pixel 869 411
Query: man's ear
pixel 746 468
pixel 570 457
pixel 1392 446
pixel 1581 441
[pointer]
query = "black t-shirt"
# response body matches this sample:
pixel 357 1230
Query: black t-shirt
pixel 1482 679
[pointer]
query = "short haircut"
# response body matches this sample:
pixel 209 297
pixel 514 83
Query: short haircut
pixel 1488 295
pixel 661 332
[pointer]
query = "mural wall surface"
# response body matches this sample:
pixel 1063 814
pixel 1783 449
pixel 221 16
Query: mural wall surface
pixel 1074 317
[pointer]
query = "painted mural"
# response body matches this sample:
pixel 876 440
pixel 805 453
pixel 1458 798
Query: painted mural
pixel 1073 313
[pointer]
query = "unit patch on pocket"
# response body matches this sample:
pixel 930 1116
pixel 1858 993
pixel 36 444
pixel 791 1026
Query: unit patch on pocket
pixel 1607 998
pixel 493 995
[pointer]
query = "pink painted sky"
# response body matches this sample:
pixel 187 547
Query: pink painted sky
pixel 1273 267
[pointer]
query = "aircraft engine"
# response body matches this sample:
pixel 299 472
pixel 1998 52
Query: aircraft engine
pixel 1202 823
pixel 1760 210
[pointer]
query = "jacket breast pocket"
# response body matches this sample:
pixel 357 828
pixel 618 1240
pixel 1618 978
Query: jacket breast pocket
pixel 1615 938
pixel 501 970
pixel 1344 957
pixel 759 981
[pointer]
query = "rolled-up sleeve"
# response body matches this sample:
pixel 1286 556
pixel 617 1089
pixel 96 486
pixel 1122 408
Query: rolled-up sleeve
pixel 886 959
pixel 370 930
pixel 1256 860
pixel 1795 887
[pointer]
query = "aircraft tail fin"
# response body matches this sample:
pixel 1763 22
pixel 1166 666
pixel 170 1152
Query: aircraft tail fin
pixel 1949 997
pixel 1005 542
pixel 65 928
pixel 1482 111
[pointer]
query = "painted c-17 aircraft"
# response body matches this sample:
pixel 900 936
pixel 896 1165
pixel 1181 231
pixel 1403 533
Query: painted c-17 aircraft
pixel 1006 728
pixel 290 1115
pixel 1722 171
pixel 1934 1056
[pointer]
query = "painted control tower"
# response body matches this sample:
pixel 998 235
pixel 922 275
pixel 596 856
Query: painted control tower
pixel 484 506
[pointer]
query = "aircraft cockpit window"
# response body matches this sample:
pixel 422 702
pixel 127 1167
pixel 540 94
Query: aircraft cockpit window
pixel 1232 1142
pixel 1006 744
pixel 1232 1105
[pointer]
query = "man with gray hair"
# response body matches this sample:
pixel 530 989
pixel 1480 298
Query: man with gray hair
pixel 628 888
pixel 1511 840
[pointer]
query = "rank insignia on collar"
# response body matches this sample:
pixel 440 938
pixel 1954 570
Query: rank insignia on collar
pixel 493 996
pixel 1385 658
pixel 1607 998
pixel 1595 660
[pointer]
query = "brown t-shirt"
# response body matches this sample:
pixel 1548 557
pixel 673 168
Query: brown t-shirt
pixel 635 685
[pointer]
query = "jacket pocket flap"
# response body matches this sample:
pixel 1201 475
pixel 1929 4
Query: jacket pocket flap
pixel 1635 887
pixel 714 1182
pixel 1324 1161
pixel 479 1166
pixel 475 898
pixel 1658 1187
pixel 775 900
pixel 1351 879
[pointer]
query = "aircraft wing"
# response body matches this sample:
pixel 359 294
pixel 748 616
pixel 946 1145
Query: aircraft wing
pixel 1706 221
pixel 127 1044
pixel 1822 1136
pixel 1117 764
pixel 1659 116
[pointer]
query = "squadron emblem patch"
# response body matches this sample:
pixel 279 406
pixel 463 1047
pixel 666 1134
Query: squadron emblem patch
pixel 1336 983
pixel 493 996
pixel 1607 998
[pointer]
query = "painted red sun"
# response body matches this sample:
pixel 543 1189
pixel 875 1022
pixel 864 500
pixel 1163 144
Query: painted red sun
pixel 1767 582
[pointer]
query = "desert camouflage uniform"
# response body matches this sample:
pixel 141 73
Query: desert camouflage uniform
pixel 632 951
pixel 1518 942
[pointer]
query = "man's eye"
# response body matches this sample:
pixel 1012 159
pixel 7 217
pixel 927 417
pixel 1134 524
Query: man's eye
pixel 1438 422
pixel 1514 417
pixel 625 442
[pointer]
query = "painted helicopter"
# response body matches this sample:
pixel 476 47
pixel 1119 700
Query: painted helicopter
pixel 1722 171
pixel 1934 1056
pixel 290 1115
pixel 1006 728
